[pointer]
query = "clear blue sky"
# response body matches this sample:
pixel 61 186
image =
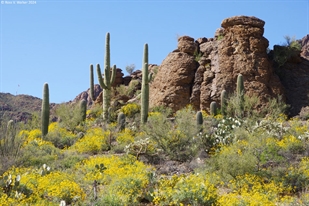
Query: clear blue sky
pixel 56 41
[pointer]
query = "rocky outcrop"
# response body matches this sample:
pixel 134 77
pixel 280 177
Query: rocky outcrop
pixel 239 47
pixel 119 78
pixel 305 47
pixel 172 84
pixel 294 76
pixel 86 95
pixel 197 71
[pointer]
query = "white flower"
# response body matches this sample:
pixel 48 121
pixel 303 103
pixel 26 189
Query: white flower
pixel 62 203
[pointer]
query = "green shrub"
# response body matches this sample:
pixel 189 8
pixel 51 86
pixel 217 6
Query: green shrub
pixel 10 145
pixel 192 189
pixel 286 51
pixel 123 90
pixel 60 137
pixel 69 116
pixel 174 139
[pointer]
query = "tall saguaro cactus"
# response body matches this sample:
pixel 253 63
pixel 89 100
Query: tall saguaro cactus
pixel 146 78
pixel 223 102
pixel 240 93
pixel 109 78
pixel 45 110
pixel 83 109
pixel 91 83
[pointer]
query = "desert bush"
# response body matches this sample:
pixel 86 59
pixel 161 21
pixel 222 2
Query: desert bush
pixel 235 160
pixel 95 141
pixel 160 109
pixel 123 90
pixel 249 189
pixel 192 189
pixel 174 139
pixel 10 145
pixel 142 145
pixel 60 137
pixel 33 123
pixel 252 107
pixel 297 177
pixel 130 109
pixel 36 187
pixel 124 180
pixel 69 117
pixel 287 50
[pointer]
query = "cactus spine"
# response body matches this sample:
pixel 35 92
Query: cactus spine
pixel 109 78
pixel 91 83
pixel 146 78
pixel 213 108
pixel 45 110
pixel 223 102
pixel 121 120
pixel 240 93
pixel 83 109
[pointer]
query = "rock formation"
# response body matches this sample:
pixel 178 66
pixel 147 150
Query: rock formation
pixel 172 84
pixel 86 95
pixel 294 76
pixel 197 71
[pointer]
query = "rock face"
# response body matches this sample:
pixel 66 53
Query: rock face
pixel 86 95
pixel 305 47
pixel 172 84
pixel 239 48
pixel 118 78
pixel 295 79
pixel 196 72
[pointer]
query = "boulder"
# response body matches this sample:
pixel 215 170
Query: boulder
pixel 172 85
pixel 187 45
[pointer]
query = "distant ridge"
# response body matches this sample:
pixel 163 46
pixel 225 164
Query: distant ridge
pixel 18 107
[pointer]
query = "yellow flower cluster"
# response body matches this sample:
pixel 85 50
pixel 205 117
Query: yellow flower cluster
pixel 130 109
pixel 193 189
pixel 123 177
pixel 37 189
pixel 252 190
pixel 55 128
pixel 60 186
pixel 94 141
pixel 125 137
pixel 287 141
pixel 34 137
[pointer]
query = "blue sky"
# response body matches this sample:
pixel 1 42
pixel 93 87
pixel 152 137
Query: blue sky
pixel 56 41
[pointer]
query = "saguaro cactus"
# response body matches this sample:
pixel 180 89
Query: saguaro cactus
pixel 121 120
pixel 223 102
pixel 213 108
pixel 146 78
pixel 199 121
pixel 199 118
pixel 45 110
pixel 83 109
pixel 109 78
pixel 91 83
pixel 240 93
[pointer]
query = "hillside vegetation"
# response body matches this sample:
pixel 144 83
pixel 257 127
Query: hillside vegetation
pixel 238 153
pixel 240 158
